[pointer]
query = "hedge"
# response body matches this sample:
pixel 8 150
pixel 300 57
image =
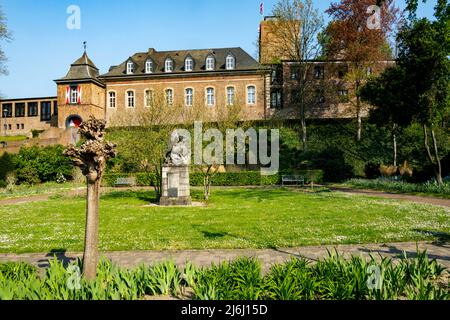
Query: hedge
pixel 243 178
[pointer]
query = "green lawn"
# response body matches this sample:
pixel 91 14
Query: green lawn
pixel 13 138
pixel 235 218
pixel 44 188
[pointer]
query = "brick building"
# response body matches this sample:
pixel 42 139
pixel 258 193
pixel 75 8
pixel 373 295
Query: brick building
pixel 181 80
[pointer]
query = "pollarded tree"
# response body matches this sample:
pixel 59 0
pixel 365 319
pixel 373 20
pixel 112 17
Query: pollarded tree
pixel 91 158
pixel 353 37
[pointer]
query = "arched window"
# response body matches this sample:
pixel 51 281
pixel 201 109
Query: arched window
pixel 130 67
pixel 130 99
pixel 169 97
pixel 210 63
pixel 148 98
pixel 189 97
pixel 168 67
pixel 230 62
pixel 112 99
pixel 210 97
pixel 189 64
pixel 149 66
pixel 251 95
pixel 230 96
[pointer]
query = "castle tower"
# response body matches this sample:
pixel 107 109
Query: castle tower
pixel 80 94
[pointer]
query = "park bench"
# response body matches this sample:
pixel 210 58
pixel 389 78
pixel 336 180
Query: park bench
pixel 293 180
pixel 125 182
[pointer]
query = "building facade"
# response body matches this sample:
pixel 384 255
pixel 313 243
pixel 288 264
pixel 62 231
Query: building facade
pixel 178 82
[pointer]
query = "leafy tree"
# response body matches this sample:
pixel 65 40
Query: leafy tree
pixel 5 35
pixel 349 38
pixel 297 27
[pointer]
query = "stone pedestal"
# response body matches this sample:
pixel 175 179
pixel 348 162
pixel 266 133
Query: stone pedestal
pixel 175 186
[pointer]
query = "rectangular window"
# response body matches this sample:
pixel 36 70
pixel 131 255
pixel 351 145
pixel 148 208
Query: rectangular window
pixel 130 99
pixel 23 126
pixel 276 99
pixel 230 96
pixel 9 127
pixel 20 110
pixel 343 96
pixel 251 95
pixel 112 99
pixel 295 73
pixel 189 101
pixel 32 109
pixel 148 98
pixel 320 96
pixel 18 126
pixel 169 97
pixel 319 72
pixel 74 95
pixel 46 111
pixel 7 110
pixel 55 108
pixel 210 97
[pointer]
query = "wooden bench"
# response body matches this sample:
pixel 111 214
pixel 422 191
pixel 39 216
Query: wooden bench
pixel 293 180
pixel 125 182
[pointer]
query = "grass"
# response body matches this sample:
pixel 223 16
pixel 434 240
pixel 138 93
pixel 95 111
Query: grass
pixel 31 190
pixel 422 189
pixel 234 218
pixel 12 138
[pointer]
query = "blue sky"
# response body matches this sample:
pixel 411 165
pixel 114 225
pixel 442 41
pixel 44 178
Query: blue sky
pixel 43 48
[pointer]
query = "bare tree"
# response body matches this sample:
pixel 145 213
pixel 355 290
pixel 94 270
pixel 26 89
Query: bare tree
pixel 91 157
pixel 143 133
pixel 295 34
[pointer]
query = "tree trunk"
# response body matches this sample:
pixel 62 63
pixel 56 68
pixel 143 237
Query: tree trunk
pixel 437 164
pixel 358 118
pixel 90 257
pixel 207 184
pixel 438 161
pixel 395 149
pixel 304 132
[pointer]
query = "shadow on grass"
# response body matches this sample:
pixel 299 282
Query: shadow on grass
pixel 439 237
pixel 59 254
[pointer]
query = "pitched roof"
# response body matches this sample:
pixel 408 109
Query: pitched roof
pixel 243 61
pixel 81 69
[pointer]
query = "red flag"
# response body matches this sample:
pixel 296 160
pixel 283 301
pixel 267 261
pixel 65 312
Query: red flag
pixel 261 8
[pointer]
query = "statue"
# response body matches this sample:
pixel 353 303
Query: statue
pixel 179 154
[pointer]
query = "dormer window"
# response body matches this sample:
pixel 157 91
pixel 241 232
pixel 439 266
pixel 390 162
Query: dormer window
pixel 130 67
pixel 210 63
pixel 149 66
pixel 168 67
pixel 189 64
pixel 230 62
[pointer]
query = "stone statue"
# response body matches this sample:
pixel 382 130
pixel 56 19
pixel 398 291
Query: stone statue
pixel 179 154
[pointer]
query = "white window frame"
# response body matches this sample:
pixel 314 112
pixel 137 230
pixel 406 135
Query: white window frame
pixel 207 97
pixel 169 102
pixel 130 67
pixel 227 96
pixel 190 64
pixel 149 66
pixel 168 62
pixel 210 63
pixel 187 102
pixel 152 96
pixel 127 99
pixel 74 95
pixel 230 62
pixel 251 103
pixel 109 99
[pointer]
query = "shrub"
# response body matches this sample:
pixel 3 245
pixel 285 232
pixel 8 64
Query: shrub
pixel 243 178
pixel 431 187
